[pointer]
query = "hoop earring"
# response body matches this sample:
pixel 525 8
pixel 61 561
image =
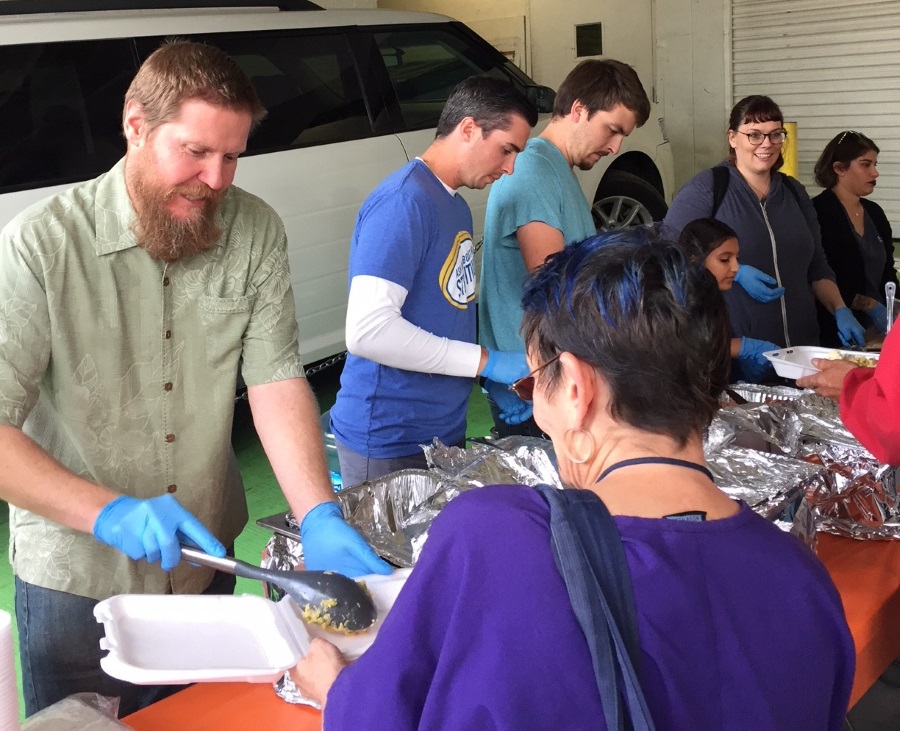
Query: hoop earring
pixel 591 449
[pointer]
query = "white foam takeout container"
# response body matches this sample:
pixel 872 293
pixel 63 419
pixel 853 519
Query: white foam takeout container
pixel 796 362
pixel 179 638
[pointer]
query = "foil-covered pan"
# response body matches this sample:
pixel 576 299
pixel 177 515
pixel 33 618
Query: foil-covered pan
pixel 768 483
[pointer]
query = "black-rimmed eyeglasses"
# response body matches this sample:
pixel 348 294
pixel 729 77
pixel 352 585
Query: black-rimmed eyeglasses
pixel 756 137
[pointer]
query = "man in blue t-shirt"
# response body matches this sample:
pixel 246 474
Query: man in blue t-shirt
pixel 541 207
pixel 411 314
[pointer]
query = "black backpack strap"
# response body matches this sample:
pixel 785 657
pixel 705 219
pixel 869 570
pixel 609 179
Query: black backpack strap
pixel 721 179
pixel 591 559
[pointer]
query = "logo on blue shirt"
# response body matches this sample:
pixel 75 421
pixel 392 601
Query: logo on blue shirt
pixel 458 273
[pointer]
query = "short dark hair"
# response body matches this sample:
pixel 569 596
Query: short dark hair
pixel 601 85
pixel 844 149
pixel 490 102
pixel 754 108
pixel 704 235
pixel 650 320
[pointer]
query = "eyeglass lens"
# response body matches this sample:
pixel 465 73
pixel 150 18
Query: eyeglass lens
pixel 524 388
pixel 776 137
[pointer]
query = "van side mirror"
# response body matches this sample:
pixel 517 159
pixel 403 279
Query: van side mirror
pixel 541 97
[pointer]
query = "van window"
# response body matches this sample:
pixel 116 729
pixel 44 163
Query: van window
pixel 424 66
pixel 61 111
pixel 308 83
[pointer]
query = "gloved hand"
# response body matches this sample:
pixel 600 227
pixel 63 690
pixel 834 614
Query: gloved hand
pixel 330 544
pixel 849 330
pixel 153 529
pixel 505 366
pixel 878 315
pixel 759 285
pixel 754 365
pixel 513 410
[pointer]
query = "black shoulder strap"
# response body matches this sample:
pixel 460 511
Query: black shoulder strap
pixel 591 559
pixel 721 179
pixel 786 179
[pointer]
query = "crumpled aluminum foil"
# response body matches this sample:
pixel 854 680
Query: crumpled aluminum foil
pixel 758 394
pixel 768 483
pixel 284 554
pixel 857 497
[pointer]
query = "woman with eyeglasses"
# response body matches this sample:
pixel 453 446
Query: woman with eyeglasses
pixel 856 234
pixel 783 270
pixel 628 345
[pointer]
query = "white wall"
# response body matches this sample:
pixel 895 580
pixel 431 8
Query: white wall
pixel 693 81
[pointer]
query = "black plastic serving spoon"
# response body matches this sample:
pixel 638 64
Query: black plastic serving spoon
pixel 330 600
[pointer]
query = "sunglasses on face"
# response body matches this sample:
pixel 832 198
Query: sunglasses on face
pixel 524 387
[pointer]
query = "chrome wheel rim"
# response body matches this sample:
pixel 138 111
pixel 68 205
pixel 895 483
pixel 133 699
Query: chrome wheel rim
pixel 618 212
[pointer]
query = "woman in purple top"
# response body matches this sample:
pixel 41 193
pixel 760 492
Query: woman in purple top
pixel 739 624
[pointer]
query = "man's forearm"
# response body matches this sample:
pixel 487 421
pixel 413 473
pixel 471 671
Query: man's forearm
pixel 31 479
pixel 286 418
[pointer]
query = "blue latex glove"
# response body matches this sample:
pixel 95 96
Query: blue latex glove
pixel 754 366
pixel 878 316
pixel 153 529
pixel 513 410
pixel 505 366
pixel 759 285
pixel 849 330
pixel 330 544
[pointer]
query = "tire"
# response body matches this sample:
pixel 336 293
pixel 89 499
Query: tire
pixel 623 199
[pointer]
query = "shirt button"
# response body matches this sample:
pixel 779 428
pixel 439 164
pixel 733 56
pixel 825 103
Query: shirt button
pixel 171 488
pixel 168 334
pixel 170 438
pixel 167 387
pixel 165 281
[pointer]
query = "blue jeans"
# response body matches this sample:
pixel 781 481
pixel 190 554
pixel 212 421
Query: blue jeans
pixel 59 648
pixel 357 468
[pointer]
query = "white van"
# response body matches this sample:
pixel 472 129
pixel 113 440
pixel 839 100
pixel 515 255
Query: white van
pixel 352 95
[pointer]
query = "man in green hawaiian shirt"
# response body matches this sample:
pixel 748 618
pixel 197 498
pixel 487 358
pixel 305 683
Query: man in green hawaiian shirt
pixel 128 304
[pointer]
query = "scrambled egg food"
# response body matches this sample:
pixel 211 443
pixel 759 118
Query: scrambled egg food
pixel 865 361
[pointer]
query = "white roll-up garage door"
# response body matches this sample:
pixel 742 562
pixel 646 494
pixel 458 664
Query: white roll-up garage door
pixel 831 65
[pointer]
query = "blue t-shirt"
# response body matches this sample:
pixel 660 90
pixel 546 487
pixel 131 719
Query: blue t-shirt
pixel 542 188
pixel 411 231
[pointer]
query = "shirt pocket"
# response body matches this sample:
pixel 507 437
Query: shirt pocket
pixel 224 320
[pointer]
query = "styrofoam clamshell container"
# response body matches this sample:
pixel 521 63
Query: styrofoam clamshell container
pixel 173 639
pixel 796 362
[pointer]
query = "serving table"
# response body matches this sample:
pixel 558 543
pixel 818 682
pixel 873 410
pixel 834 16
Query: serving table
pixel 866 573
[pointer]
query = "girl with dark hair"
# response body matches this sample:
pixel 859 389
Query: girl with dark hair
pixel 718 244
pixel 783 271
pixel 856 235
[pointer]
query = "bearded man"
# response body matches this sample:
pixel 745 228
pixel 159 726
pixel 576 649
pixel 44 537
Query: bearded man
pixel 129 302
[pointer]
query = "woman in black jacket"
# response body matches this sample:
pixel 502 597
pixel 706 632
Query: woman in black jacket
pixel 856 235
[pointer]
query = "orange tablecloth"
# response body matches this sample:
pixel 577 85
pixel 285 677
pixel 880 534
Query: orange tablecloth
pixel 867 575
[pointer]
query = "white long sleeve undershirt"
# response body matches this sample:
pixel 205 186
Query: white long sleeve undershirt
pixel 377 331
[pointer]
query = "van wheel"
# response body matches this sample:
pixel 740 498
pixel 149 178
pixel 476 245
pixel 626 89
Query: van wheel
pixel 623 199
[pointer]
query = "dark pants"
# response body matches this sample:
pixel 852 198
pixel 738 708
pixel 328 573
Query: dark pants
pixel 59 648
pixel 527 428
pixel 357 468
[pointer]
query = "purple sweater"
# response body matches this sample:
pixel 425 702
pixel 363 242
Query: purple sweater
pixel 740 627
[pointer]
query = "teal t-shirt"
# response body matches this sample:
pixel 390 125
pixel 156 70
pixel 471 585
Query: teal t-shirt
pixel 541 188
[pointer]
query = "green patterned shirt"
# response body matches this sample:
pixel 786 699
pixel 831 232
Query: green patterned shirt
pixel 124 368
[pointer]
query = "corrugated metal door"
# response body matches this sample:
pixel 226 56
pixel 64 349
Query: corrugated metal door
pixel 831 65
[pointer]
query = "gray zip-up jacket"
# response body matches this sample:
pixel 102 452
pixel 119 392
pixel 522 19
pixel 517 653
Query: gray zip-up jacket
pixel 780 237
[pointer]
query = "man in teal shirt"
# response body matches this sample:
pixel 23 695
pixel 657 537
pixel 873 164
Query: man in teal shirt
pixel 541 208
pixel 129 303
